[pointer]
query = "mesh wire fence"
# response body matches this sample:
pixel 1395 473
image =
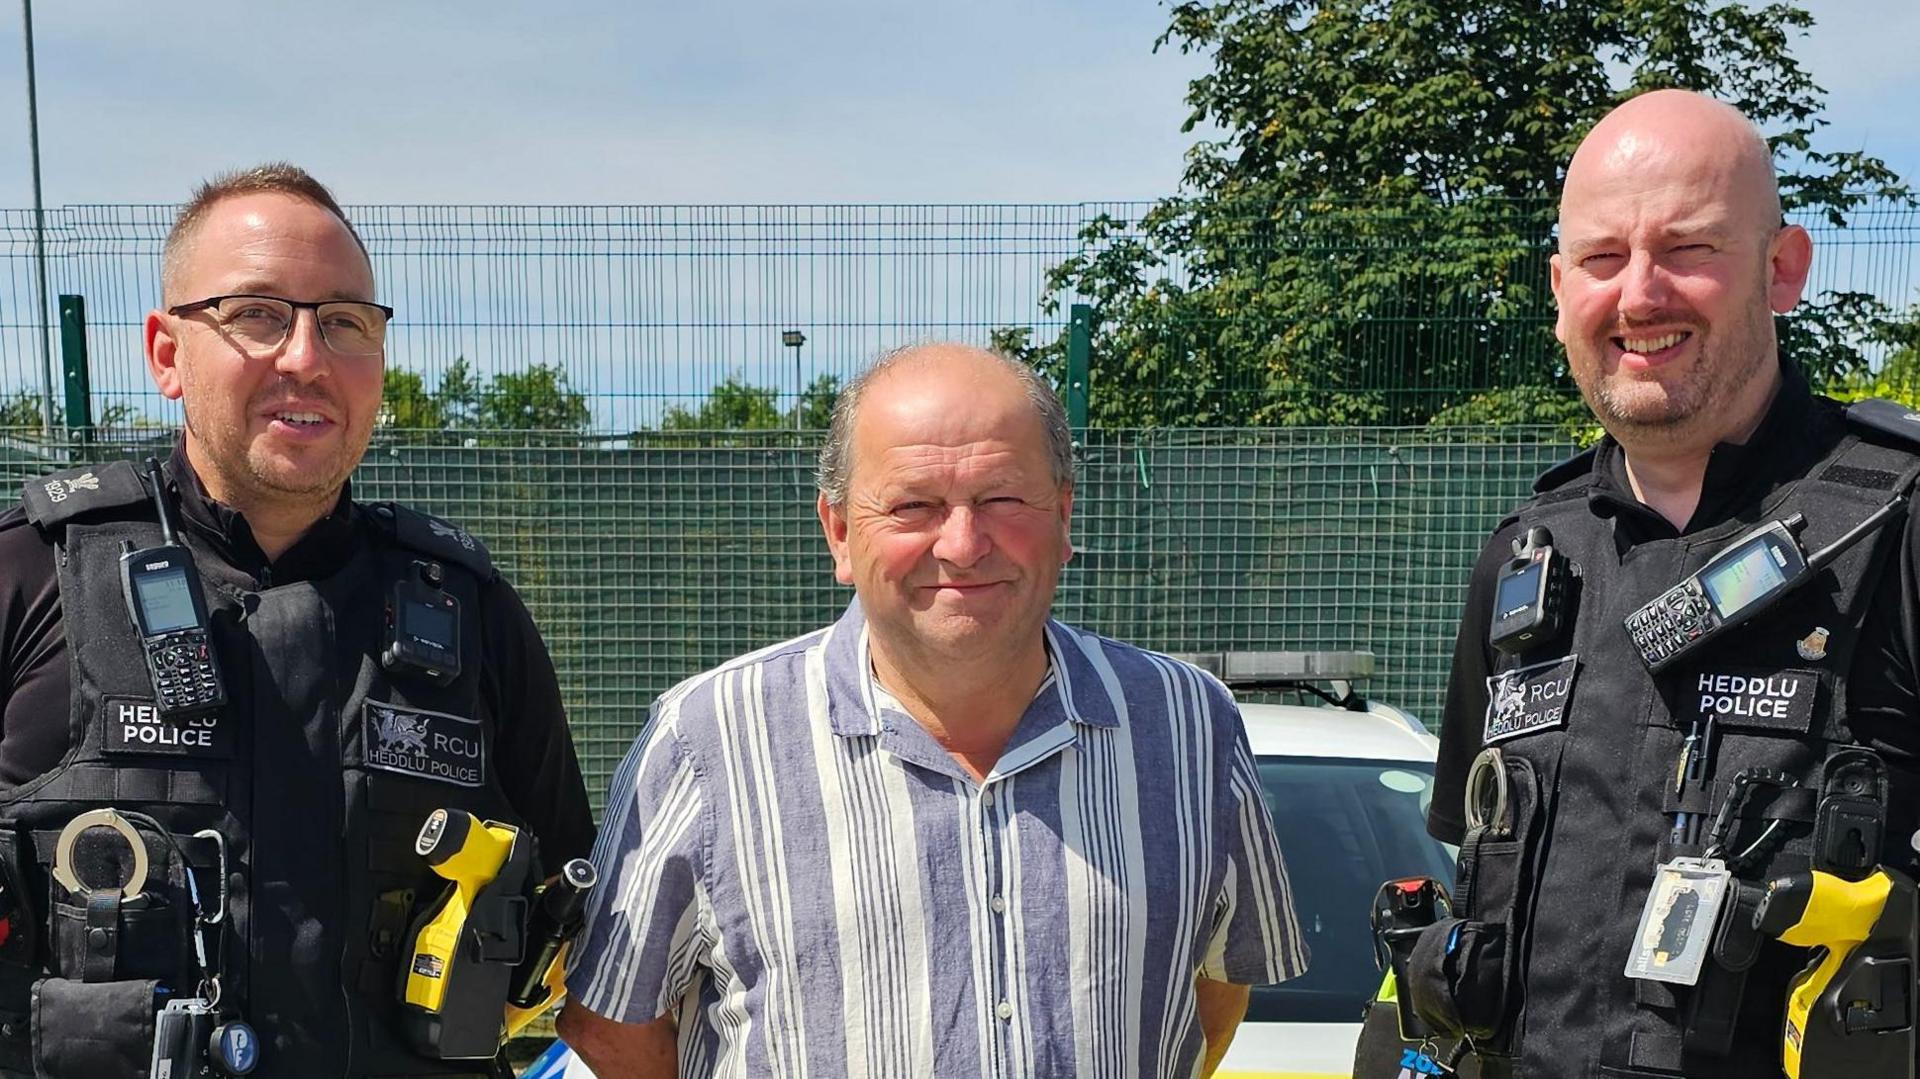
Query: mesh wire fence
pixel 644 308
pixel 648 557
pixel 644 565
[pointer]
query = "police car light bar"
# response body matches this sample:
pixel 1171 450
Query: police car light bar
pixel 1248 668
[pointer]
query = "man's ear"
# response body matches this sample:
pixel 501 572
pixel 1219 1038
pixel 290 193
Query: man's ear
pixel 1789 261
pixel 1554 271
pixel 834 524
pixel 163 356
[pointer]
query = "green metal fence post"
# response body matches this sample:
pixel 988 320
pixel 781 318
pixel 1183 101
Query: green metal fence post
pixel 73 358
pixel 1079 353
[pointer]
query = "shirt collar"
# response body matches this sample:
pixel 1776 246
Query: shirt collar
pixel 853 697
pixel 324 549
pixel 1737 472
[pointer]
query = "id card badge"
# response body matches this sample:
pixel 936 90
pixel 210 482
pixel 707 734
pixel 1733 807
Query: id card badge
pixel 1677 924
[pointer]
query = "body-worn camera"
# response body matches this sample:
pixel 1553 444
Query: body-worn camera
pixel 1530 594
pixel 423 626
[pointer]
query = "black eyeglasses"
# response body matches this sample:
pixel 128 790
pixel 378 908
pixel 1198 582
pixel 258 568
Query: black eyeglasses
pixel 260 324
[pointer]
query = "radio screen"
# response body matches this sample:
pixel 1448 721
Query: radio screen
pixel 430 624
pixel 1735 584
pixel 1518 590
pixel 166 600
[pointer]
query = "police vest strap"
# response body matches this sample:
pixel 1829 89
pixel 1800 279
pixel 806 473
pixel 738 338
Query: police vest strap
pixel 103 936
pixel 1886 418
pixel 432 536
pixel 200 853
pixel 55 498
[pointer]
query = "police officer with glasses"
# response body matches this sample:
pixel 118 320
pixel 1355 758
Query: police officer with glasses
pixel 230 695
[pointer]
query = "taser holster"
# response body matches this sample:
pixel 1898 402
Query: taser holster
pixel 1850 1013
pixel 461 951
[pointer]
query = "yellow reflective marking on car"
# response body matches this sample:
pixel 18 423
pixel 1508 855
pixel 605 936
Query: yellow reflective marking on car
pixel 1279 1075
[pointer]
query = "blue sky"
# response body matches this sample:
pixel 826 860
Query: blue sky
pixel 828 101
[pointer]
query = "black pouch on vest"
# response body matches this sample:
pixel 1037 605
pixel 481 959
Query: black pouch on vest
pixel 109 939
pixel 1462 974
pixel 92 1031
pixel 1457 977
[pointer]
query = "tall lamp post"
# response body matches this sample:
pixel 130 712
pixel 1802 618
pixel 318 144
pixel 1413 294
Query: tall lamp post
pixel 39 229
pixel 794 339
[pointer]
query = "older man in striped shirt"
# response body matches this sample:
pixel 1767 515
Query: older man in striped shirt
pixel 944 836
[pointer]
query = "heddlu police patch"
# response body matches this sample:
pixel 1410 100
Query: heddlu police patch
pixel 1528 699
pixel 1755 697
pixel 431 745
pixel 133 725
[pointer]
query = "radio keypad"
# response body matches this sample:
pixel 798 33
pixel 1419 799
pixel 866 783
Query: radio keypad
pixel 1670 623
pixel 182 671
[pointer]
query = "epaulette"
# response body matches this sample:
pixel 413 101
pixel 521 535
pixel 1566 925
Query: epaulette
pixel 61 496
pixel 1580 464
pixel 432 536
pixel 1888 418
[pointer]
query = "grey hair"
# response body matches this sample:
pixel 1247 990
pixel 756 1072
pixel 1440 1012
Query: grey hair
pixel 834 473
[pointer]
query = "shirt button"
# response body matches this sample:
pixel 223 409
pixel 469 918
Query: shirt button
pixel 1004 1011
pixel 998 903
pixel 986 796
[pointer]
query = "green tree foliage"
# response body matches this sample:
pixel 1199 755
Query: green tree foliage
pixel 735 406
pixel 1898 379
pixel 535 399
pixel 511 406
pixel 1365 238
pixel 816 404
pixel 407 405
pixel 20 413
pixel 731 406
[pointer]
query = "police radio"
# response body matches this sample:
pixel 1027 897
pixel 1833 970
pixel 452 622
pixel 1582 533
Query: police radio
pixel 1741 580
pixel 423 626
pixel 162 589
pixel 1530 594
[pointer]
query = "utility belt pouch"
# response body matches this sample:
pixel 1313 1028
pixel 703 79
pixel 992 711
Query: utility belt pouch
pixel 120 906
pixel 1462 976
pixel 1457 977
pixel 92 1030
pixel 1713 1008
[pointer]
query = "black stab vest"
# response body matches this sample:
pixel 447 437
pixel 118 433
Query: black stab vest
pixel 1606 774
pixel 318 773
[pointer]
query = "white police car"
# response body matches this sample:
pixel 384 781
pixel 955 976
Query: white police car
pixel 1348 782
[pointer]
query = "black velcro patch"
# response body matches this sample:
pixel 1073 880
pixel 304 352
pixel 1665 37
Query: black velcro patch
pixel 134 725
pixel 1870 478
pixel 1529 699
pixel 1752 698
pixel 430 745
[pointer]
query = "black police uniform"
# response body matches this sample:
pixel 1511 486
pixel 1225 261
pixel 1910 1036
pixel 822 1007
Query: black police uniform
pixel 1601 739
pixel 316 776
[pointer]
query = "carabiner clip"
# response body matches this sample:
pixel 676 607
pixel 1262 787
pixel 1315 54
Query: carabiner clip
pixel 220 846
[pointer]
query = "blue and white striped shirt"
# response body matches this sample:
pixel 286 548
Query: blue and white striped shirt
pixel 798 872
